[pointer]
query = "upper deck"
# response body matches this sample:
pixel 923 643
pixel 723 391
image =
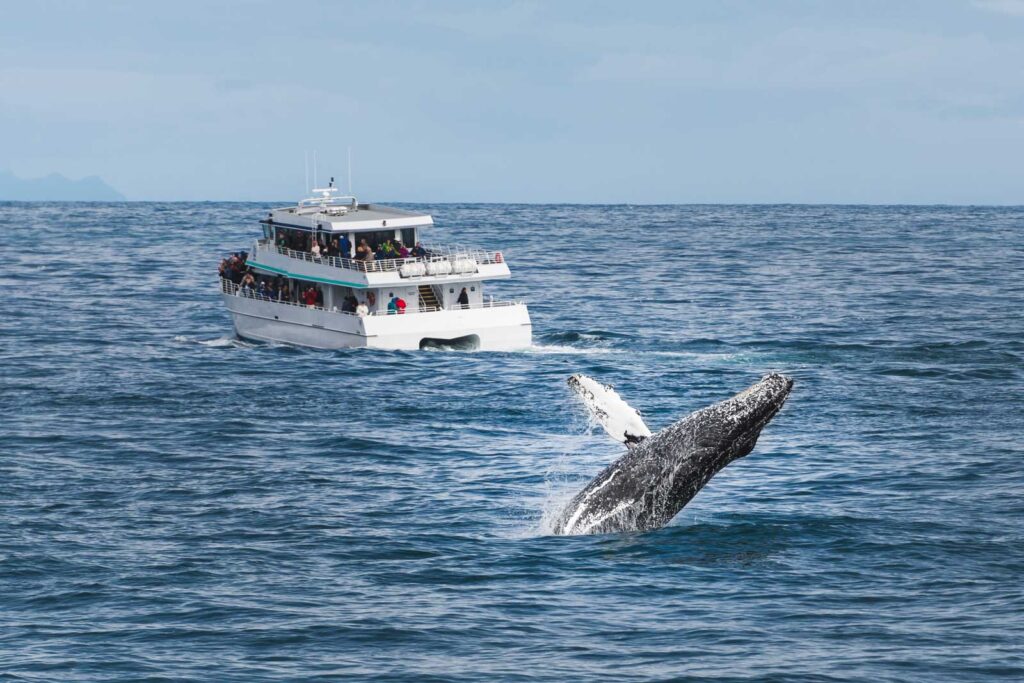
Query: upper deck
pixel 440 264
pixel 336 240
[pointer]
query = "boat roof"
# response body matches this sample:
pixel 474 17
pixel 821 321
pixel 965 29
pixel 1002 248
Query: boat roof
pixel 349 218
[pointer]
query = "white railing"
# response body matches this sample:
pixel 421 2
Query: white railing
pixel 457 307
pixel 333 261
pixel 435 255
pixel 229 287
pixel 451 251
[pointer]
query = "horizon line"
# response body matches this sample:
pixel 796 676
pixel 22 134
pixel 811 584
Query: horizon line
pixel 516 203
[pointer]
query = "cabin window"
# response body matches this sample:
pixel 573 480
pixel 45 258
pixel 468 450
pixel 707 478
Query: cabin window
pixel 409 237
pixel 375 238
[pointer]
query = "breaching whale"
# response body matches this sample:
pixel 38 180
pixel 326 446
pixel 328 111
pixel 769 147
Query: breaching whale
pixel 646 487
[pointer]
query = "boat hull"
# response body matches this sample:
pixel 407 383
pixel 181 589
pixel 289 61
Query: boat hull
pixel 498 328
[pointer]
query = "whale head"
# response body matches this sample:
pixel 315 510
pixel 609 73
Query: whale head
pixel 730 428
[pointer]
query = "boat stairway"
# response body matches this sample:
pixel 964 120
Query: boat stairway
pixel 428 300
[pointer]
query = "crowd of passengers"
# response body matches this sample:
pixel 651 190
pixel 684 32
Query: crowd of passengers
pixel 321 245
pixel 281 289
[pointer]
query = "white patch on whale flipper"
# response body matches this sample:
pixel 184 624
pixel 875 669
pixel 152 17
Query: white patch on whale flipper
pixel 622 421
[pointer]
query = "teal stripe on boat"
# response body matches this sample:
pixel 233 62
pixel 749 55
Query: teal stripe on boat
pixel 357 285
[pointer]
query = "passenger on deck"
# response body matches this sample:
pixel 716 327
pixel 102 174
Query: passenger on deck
pixel 345 246
pixel 349 304
pixel 464 298
pixel 248 284
pixel 363 251
pixel 262 290
pixel 334 249
pixel 403 251
pixel 418 251
pixel 228 266
pixel 309 297
pixel 362 310
pixel 314 249
pixel 393 306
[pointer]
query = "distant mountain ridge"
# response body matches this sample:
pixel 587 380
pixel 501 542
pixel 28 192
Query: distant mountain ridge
pixel 56 187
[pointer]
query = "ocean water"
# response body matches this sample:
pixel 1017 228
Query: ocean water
pixel 180 505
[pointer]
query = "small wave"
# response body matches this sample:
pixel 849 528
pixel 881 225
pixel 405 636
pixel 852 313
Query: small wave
pixel 218 343
pixel 587 337
pixel 725 357
pixel 564 349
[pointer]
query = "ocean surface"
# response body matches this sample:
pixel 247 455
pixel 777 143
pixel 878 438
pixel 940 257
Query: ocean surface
pixel 176 504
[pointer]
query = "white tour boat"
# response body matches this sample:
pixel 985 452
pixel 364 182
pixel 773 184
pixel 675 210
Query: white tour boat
pixel 332 273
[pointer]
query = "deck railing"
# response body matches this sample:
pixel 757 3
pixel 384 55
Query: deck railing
pixel 452 251
pixel 435 254
pixel 229 287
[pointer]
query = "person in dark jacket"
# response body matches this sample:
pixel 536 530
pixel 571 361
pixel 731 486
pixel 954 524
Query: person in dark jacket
pixel 464 298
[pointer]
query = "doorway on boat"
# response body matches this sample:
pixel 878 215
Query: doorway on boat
pixel 470 342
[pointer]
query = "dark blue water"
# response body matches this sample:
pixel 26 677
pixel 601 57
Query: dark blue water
pixel 177 505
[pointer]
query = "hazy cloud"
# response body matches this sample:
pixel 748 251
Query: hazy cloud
pixel 1014 7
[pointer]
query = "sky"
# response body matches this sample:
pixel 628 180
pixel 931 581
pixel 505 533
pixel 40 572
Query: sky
pixel 700 101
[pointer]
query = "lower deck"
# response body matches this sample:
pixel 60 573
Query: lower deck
pixel 485 325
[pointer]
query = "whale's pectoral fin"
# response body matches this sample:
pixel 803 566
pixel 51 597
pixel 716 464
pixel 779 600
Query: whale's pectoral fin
pixel 622 422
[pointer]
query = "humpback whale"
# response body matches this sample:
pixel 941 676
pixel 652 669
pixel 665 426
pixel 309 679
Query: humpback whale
pixel 646 487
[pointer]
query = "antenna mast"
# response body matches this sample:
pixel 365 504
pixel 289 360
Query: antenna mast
pixel 350 169
pixel 305 167
pixel 314 168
